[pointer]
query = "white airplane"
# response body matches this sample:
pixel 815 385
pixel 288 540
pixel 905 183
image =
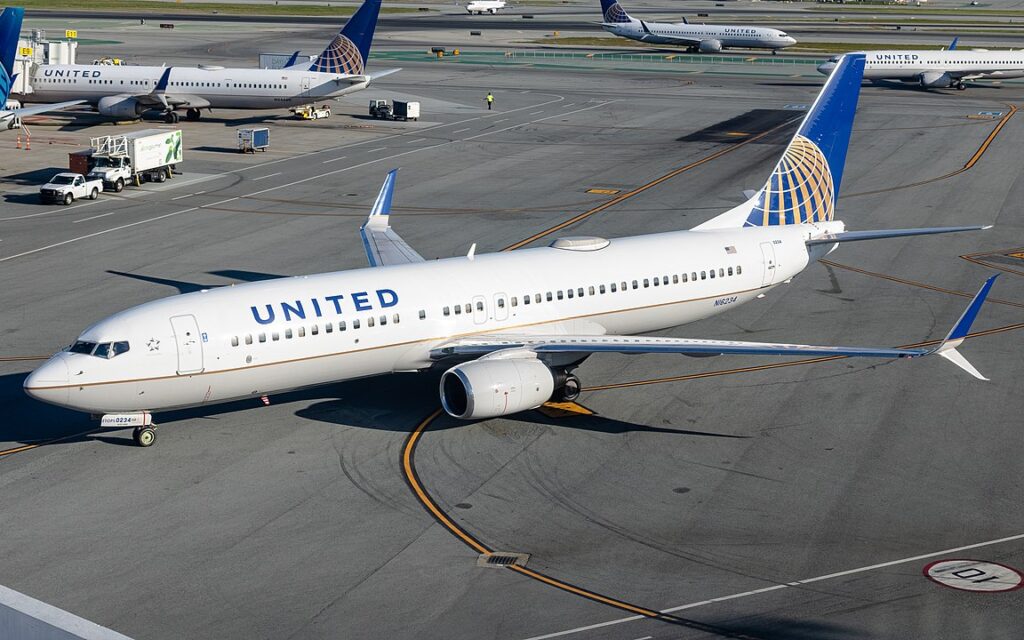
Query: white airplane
pixel 485 6
pixel 702 38
pixel 938 69
pixel 510 328
pixel 13 112
pixel 126 92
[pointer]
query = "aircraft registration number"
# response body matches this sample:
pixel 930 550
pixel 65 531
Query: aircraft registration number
pixel 729 300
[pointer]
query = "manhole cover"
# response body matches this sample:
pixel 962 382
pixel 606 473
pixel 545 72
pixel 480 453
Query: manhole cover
pixel 974 575
pixel 502 559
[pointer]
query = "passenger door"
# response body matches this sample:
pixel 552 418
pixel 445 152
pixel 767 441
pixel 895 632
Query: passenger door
pixel 189 343
pixel 768 254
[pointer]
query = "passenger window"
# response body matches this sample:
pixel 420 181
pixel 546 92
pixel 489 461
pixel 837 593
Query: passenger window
pixel 684 277
pixel 614 288
pixel 355 324
pixel 675 278
pixel 302 332
pixel 549 296
pixel 657 281
pixel 537 298
pixel 446 311
pixel 601 289
pixel 369 321
pixel 501 303
pixel 341 325
pixel 263 337
pixel 730 271
pixel 423 314
pixel 646 283
pixel 458 309
pixel 721 272
pixel 579 292
pixel 329 327
pixel 275 336
pixel 558 294
pixel 479 306
pixel 248 338
pixel 568 293
pixel 383 320
pixel 636 285
pixel 703 275
pixel 693 276
pixel 711 273
pixel 739 269
pixel 515 301
pixel 469 308
pixel 315 329
pixel 288 334
pixel 234 341
pixel 664 279
pixel 526 299
pixel 394 318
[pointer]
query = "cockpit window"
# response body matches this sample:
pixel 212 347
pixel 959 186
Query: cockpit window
pixel 782 34
pixel 101 350
pixel 82 347
pixel 834 59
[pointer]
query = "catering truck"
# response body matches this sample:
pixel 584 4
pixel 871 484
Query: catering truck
pixel 131 158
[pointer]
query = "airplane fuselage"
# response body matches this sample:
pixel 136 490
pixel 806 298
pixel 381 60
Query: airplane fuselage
pixel 911 65
pixel 254 339
pixel 215 87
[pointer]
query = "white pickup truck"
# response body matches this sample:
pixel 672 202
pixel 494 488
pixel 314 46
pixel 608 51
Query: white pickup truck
pixel 66 187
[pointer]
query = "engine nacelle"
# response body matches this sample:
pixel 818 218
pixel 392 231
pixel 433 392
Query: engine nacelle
pixel 710 46
pixel 935 79
pixel 492 388
pixel 120 107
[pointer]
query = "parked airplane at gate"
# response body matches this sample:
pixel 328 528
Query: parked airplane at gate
pixel 509 327
pixel 10 29
pixel 703 38
pixel 938 69
pixel 126 92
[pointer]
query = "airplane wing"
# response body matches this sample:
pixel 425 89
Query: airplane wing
pixel 383 246
pixel 683 40
pixel 512 345
pixel 159 97
pixel 21 112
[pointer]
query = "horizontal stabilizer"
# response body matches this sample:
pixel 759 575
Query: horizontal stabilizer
pixel 853 236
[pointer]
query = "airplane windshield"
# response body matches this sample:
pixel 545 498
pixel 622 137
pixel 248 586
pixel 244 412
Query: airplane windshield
pixel 834 59
pixel 62 180
pixel 102 350
pixel 782 35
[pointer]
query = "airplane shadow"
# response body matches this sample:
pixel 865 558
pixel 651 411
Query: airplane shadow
pixel 34 177
pixel 184 286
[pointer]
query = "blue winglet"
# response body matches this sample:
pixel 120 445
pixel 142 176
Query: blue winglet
pixel 291 60
pixel 963 325
pixel 952 45
pixel 10 28
pixel 161 84
pixel 382 206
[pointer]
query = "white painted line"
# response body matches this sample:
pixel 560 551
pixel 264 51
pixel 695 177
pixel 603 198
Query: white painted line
pixel 536 112
pixel 566 106
pixel 55 209
pixel 416 140
pixel 198 193
pixel 461 130
pixel 333 160
pixel 102 215
pixel 787 585
pixel 376 150
pixel 502 120
pixel 267 176
pixel 187 195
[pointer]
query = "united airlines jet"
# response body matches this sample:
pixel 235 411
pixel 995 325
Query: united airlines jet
pixel 938 69
pixel 508 329
pixel 10 30
pixel 702 38
pixel 126 92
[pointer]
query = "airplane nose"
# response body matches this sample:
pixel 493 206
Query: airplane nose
pixel 49 383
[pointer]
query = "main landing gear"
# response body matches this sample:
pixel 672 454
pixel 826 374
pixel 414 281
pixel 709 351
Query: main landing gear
pixel 193 114
pixel 144 436
pixel 171 117
pixel 960 86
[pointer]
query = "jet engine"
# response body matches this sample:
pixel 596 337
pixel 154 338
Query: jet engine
pixel 492 388
pixel 120 107
pixel 935 79
pixel 710 46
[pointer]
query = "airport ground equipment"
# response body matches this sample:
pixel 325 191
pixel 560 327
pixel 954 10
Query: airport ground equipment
pixel 252 140
pixel 380 108
pixel 312 112
pixel 400 110
pixel 67 187
pixel 150 154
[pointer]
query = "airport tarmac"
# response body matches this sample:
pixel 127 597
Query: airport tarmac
pixel 758 498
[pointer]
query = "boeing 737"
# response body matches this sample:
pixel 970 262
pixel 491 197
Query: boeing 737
pixel 702 38
pixel 10 29
pixel 126 92
pixel 507 328
pixel 938 69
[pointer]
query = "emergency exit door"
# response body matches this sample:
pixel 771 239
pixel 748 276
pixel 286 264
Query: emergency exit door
pixel 190 344
pixel 768 254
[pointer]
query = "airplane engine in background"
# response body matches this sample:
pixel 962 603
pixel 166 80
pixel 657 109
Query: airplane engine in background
pixel 936 79
pixel 491 388
pixel 710 46
pixel 120 107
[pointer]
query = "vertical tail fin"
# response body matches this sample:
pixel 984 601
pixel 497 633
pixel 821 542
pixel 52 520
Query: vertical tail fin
pixel 804 185
pixel 613 12
pixel 10 29
pixel 348 51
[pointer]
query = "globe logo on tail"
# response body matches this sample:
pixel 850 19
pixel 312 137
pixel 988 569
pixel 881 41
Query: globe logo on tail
pixel 341 56
pixel 800 189
pixel 615 13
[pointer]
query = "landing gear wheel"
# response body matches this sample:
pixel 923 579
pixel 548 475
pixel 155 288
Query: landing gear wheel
pixel 192 115
pixel 144 436
pixel 960 86
pixel 171 117
pixel 570 391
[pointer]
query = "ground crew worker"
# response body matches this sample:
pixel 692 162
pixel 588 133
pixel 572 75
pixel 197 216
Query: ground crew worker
pixel 490 100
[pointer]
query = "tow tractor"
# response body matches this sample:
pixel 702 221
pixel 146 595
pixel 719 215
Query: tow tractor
pixel 312 112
